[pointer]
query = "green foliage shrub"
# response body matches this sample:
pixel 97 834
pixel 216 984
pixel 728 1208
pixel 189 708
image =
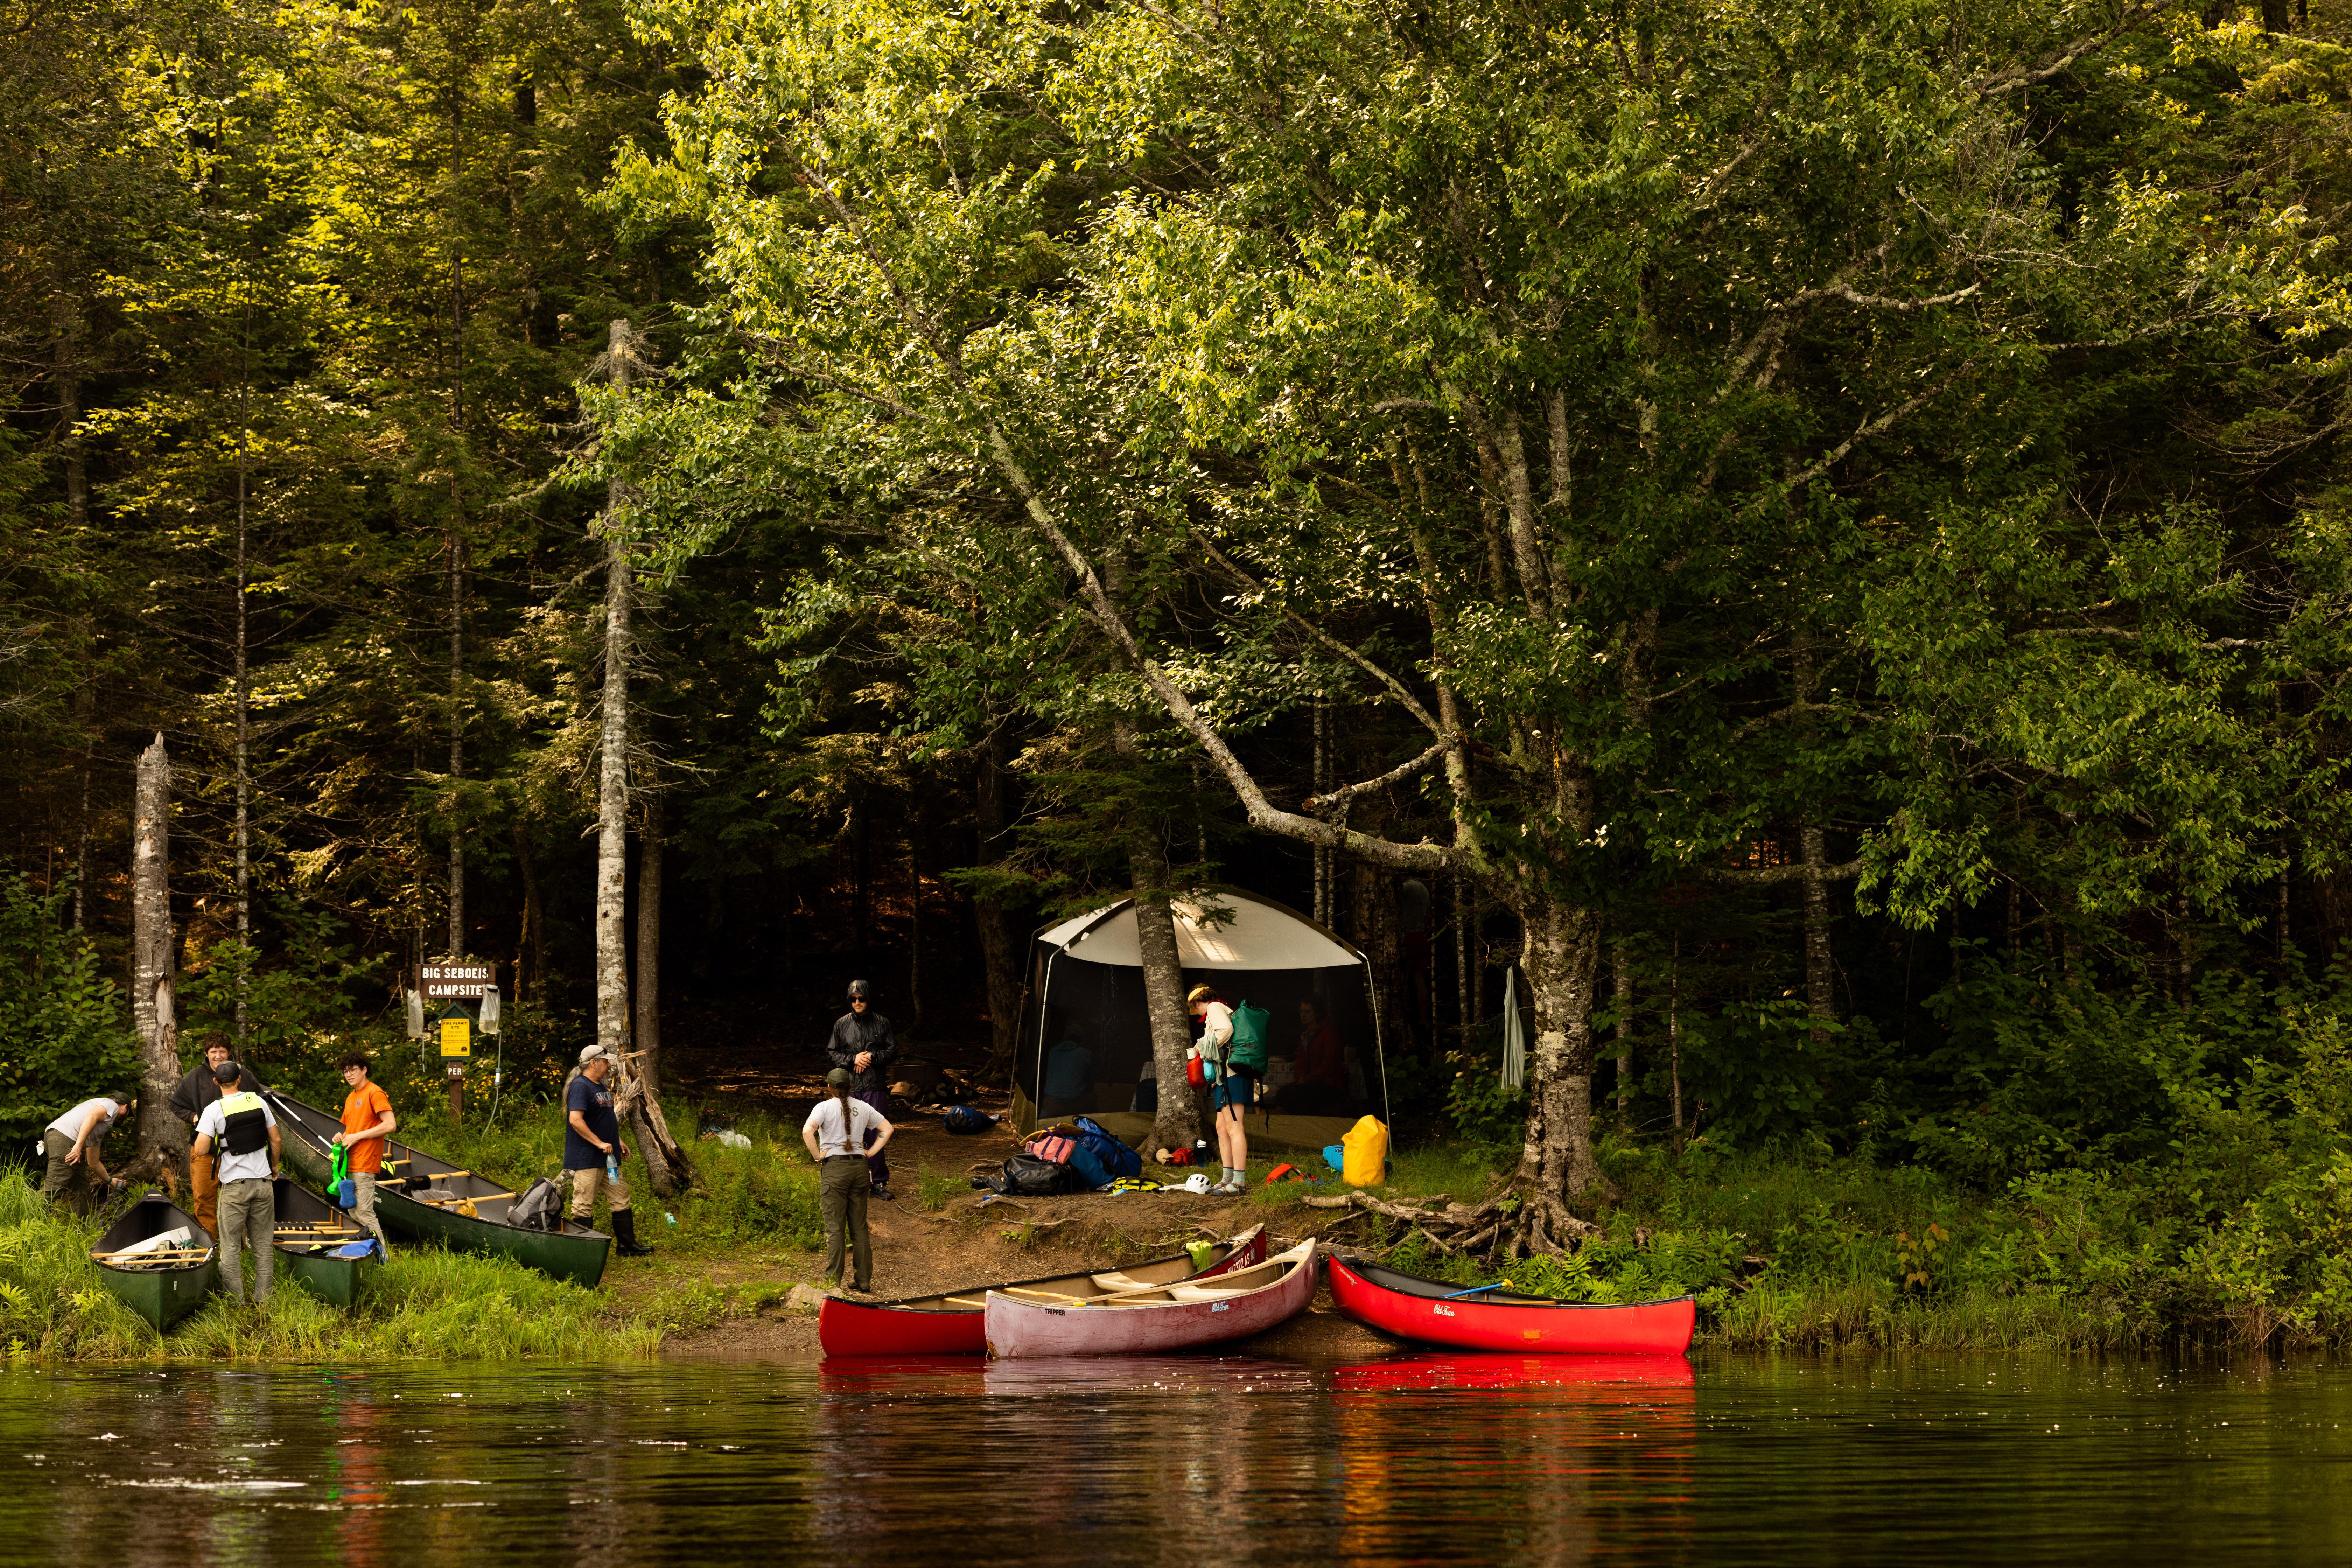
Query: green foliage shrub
pixel 65 1034
pixel 300 1002
pixel 1484 1113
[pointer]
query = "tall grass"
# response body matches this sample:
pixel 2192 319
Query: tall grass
pixel 1805 1252
pixel 764 1196
pixel 422 1303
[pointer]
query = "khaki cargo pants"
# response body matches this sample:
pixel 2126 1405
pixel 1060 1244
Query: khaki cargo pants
pixel 587 1183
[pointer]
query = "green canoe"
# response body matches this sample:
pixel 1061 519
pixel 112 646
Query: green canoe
pixel 576 1253
pixel 311 1231
pixel 172 1285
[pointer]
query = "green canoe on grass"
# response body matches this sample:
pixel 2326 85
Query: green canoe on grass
pixel 576 1253
pixel 167 1287
pixel 311 1231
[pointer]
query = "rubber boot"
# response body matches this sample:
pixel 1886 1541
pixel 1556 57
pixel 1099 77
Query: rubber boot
pixel 624 1235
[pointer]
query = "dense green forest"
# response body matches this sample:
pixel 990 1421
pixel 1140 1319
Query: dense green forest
pixel 1817 532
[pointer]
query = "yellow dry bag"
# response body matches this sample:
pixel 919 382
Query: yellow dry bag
pixel 1365 1161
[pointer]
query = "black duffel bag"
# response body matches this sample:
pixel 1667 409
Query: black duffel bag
pixel 1026 1176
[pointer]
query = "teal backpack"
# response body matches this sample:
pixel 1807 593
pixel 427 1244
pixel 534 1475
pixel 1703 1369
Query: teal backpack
pixel 1247 1049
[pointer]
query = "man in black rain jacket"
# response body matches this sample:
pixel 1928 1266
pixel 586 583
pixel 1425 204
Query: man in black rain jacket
pixel 862 1045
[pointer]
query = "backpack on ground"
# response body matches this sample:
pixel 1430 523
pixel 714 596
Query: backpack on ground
pixel 1116 1157
pixel 1246 1050
pixel 966 1119
pixel 1046 1146
pixel 1026 1176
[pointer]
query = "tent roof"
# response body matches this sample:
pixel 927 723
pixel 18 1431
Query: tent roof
pixel 1261 934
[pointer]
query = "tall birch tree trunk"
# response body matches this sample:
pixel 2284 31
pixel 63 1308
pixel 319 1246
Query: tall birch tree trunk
pixel 638 1102
pixel 613 753
pixel 1177 1123
pixel 154 1012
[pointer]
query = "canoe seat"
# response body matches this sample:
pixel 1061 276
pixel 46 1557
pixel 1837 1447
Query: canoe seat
pixel 1122 1283
pixel 1204 1292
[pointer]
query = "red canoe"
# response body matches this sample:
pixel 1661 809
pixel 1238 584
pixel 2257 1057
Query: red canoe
pixel 954 1323
pixel 1151 1322
pixel 1412 1307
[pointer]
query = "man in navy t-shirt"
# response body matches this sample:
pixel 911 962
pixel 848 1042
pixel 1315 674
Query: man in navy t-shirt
pixel 592 1137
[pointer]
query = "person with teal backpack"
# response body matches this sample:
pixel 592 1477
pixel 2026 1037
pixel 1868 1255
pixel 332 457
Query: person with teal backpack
pixel 1232 1041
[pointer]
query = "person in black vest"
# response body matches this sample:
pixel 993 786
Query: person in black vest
pixel 239 1123
pixel 862 1045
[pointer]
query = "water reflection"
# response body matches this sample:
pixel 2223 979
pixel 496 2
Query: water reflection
pixel 1194 1461
pixel 1589 1449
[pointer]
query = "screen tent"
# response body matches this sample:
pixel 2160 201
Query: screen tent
pixel 1086 1038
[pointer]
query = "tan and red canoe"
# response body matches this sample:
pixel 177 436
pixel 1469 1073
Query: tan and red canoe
pixel 1181 1316
pixel 950 1324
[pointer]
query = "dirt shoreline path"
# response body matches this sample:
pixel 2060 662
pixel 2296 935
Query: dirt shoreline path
pixel 969 1242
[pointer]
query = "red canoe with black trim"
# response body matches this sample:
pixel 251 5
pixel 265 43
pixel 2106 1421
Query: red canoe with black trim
pixel 955 1322
pixel 1411 1308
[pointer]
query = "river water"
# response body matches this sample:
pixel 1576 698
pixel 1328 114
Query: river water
pixel 1181 1461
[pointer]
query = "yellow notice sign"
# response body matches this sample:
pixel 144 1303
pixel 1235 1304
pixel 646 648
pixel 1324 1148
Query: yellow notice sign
pixel 457 1036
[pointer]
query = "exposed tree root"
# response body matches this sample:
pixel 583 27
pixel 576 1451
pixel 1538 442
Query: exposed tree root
pixel 1504 1222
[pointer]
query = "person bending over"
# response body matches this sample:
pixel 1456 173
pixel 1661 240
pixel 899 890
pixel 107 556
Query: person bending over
pixel 71 1144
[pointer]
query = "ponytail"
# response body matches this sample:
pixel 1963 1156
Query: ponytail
pixel 848 1118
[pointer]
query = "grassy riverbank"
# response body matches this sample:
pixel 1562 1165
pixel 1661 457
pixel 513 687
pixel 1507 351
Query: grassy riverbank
pixel 757 1207
pixel 1819 1254
pixel 1804 1253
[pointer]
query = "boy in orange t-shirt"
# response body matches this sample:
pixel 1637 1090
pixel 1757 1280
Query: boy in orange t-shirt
pixel 367 1121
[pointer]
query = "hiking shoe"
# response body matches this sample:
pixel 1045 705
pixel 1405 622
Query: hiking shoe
pixel 881 1191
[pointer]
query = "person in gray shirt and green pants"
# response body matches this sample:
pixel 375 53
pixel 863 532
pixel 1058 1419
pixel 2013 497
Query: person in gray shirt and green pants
pixel 835 1134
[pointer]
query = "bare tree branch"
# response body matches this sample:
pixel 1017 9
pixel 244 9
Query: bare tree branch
pixel 1397 689
pixel 2070 54
pixel 1397 775
pixel 1870 427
